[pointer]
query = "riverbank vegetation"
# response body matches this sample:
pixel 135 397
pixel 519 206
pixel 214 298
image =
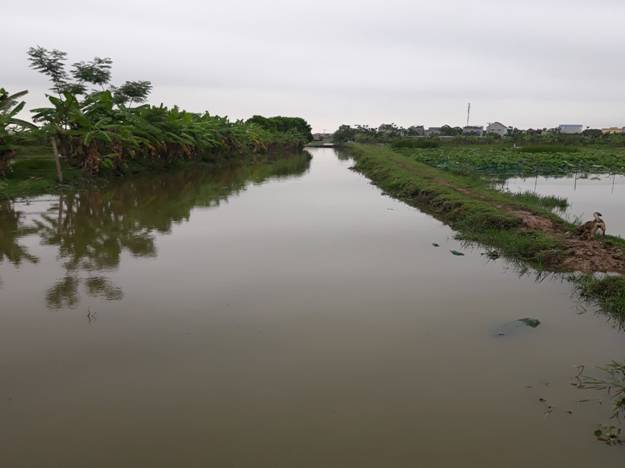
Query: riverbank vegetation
pixel 96 129
pixel 521 153
pixel 521 228
pixel 505 160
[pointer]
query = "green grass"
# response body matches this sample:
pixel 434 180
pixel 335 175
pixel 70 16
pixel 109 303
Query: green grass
pixel 477 217
pixel 607 292
pixel 34 151
pixel 486 216
pixel 416 143
pixel 545 201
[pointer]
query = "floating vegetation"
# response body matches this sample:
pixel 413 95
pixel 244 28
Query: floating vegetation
pixel 500 160
pixel 610 435
pixel 611 380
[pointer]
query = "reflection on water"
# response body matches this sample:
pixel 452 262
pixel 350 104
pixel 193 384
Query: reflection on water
pixel 91 230
pixel 303 322
pixel 585 193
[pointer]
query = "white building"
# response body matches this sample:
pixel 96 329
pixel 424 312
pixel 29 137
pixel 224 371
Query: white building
pixel 497 128
pixel 571 129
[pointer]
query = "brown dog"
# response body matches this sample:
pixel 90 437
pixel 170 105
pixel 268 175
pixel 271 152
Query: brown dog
pixel 589 229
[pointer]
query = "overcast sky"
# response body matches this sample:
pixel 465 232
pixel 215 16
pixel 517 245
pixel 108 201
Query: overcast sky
pixel 525 63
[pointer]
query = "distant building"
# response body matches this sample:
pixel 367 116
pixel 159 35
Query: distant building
pixel 472 130
pixel 433 131
pixel 609 130
pixel 571 129
pixel 497 128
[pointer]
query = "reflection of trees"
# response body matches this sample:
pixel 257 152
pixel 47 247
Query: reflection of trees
pixel 343 155
pixel 12 228
pixel 93 229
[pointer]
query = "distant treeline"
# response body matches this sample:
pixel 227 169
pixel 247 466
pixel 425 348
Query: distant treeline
pixel 415 136
pixel 94 125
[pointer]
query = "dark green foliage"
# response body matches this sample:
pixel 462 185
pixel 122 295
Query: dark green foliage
pixel 593 133
pixel 295 125
pixel 448 130
pixel 10 106
pixel 97 72
pixel 52 64
pixel 132 92
pixel 100 130
pixel 344 134
pixel 95 134
pixel 548 149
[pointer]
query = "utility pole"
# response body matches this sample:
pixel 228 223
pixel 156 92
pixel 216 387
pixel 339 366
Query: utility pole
pixel 468 113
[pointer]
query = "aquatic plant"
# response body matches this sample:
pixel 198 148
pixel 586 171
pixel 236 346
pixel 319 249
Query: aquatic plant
pixel 611 380
pixel 501 160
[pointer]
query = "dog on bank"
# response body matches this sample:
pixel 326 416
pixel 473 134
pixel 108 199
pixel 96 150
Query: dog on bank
pixel 589 229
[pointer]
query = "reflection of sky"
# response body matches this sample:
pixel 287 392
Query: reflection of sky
pixel 310 313
pixel 601 192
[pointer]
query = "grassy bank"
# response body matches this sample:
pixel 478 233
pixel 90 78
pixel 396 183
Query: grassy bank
pixel 520 227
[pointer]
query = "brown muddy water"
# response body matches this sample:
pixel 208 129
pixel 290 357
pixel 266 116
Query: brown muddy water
pixel 285 315
pixel 586 194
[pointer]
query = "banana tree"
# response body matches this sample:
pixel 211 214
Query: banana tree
pixel 9 108
pixel 57 123
pixel 89 133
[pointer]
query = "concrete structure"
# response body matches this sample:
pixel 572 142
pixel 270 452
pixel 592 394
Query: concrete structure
pixel 497 128
pixel 433 131
pixel 571 129
pixel 473 130
pixel 613 130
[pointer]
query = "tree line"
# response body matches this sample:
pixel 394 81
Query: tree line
pixel 92 124
pixel 392 133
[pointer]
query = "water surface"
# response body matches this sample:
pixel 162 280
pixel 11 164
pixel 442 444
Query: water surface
pixel 282 315
pixel 586 194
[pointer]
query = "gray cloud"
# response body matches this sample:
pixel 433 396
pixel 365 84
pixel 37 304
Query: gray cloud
pixel 532 63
